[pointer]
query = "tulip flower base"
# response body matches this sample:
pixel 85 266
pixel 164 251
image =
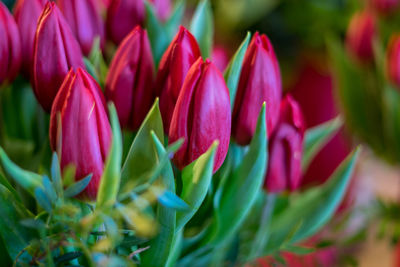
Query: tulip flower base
pixel 208 171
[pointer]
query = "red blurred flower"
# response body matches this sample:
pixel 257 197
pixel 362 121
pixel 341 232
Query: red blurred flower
pixel 122 17
pixel 83 16
pixel 286 148
pixel 393 60
pixel 174 65
pixel 129 82
pixel 10 46
pixel 85 135
pixel 163 8
pixel 27 13
pixel 220 57
pixel 55 51
pixel 360 35
pixel 260 82
pixel 385 6
pixel 202 115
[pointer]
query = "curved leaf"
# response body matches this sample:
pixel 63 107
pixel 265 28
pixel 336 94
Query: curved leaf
pixel 202 27
pixel 110 180
pixel 142 156
pixel 196 180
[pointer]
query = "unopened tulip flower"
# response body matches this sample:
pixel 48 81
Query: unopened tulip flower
pixel 202 115
pixel 85 135
pixel 55 52
pixel 385 6
pixel 129 83
pixel 220 57
pixel 122 17
pixel 10 46
pixel 286 148
pixel 27 13
pixel 84 18
pixel 260 81
pixel 162 8
pixel 392 59
pixel 360 36
pixel 174 65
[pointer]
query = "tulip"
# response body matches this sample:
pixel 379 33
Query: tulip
pixel 260 82
pixel 314 91
pixel 360 35
pixel 202 115
pixel 122 17
pixel 220 57
pixel 285 149
pixel 85 21
pixel 10 46
pixel 174 65
pixel 27 13
pixel 129 83
pixel 392 59
pixel 79 128
pixel 385 6
pixel 162 8
pixel 55 51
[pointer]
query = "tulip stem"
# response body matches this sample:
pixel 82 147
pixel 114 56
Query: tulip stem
pixel 263 234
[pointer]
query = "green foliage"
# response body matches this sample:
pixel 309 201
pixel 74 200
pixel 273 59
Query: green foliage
pixel 202 27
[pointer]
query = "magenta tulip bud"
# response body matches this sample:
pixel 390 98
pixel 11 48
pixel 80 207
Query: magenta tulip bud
pixel 286 148
pixel 202 115
pixel 122 17
pixel 83 16
pixel 162 8
pixel 385 6
pixel 174 65
pixel 10 46
pixel 260 81
pixel 392 60
pixel 27 13
pixel 360 35
pixel 85 135
pixel 220 57
pixel 129 82
pixel 56 51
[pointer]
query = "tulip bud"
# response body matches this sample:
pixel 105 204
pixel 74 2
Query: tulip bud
pixel 27 13
pixel 220 57
pixel 260 81
pixel 129 82
pixel 163 8
pixel 360 35
pixel 55 51
pixel 10 46
pixel 385 6
pixel 202 115
pixel 85 135
pixel 83 16
pixel 174 65
pixel 392 59
pixel 122 17
pixel 285 149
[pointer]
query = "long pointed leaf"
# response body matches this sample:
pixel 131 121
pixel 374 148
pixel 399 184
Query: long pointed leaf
pixel 202 27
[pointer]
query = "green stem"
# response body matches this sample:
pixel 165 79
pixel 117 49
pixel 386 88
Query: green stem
pixel 262 235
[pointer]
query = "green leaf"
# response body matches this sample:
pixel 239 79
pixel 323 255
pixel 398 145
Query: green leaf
pixel 67 257
pixel 56 175
pixel 97 60
pixel 309 211
pixel 91 69
pixel 43 199
pixel 49 190
pixel 196 180
pixel 240 192
pixel 160 247
pixel 298 249
pixel 316 138
pixel 28 180
pixel 170 200
pixel 109 183
pixel 6 183
pixel 202 27
pixel 158 35
pixel 175 20
pixel 232 72
pixel 15 236
pixel 77 188
pixel 142 156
